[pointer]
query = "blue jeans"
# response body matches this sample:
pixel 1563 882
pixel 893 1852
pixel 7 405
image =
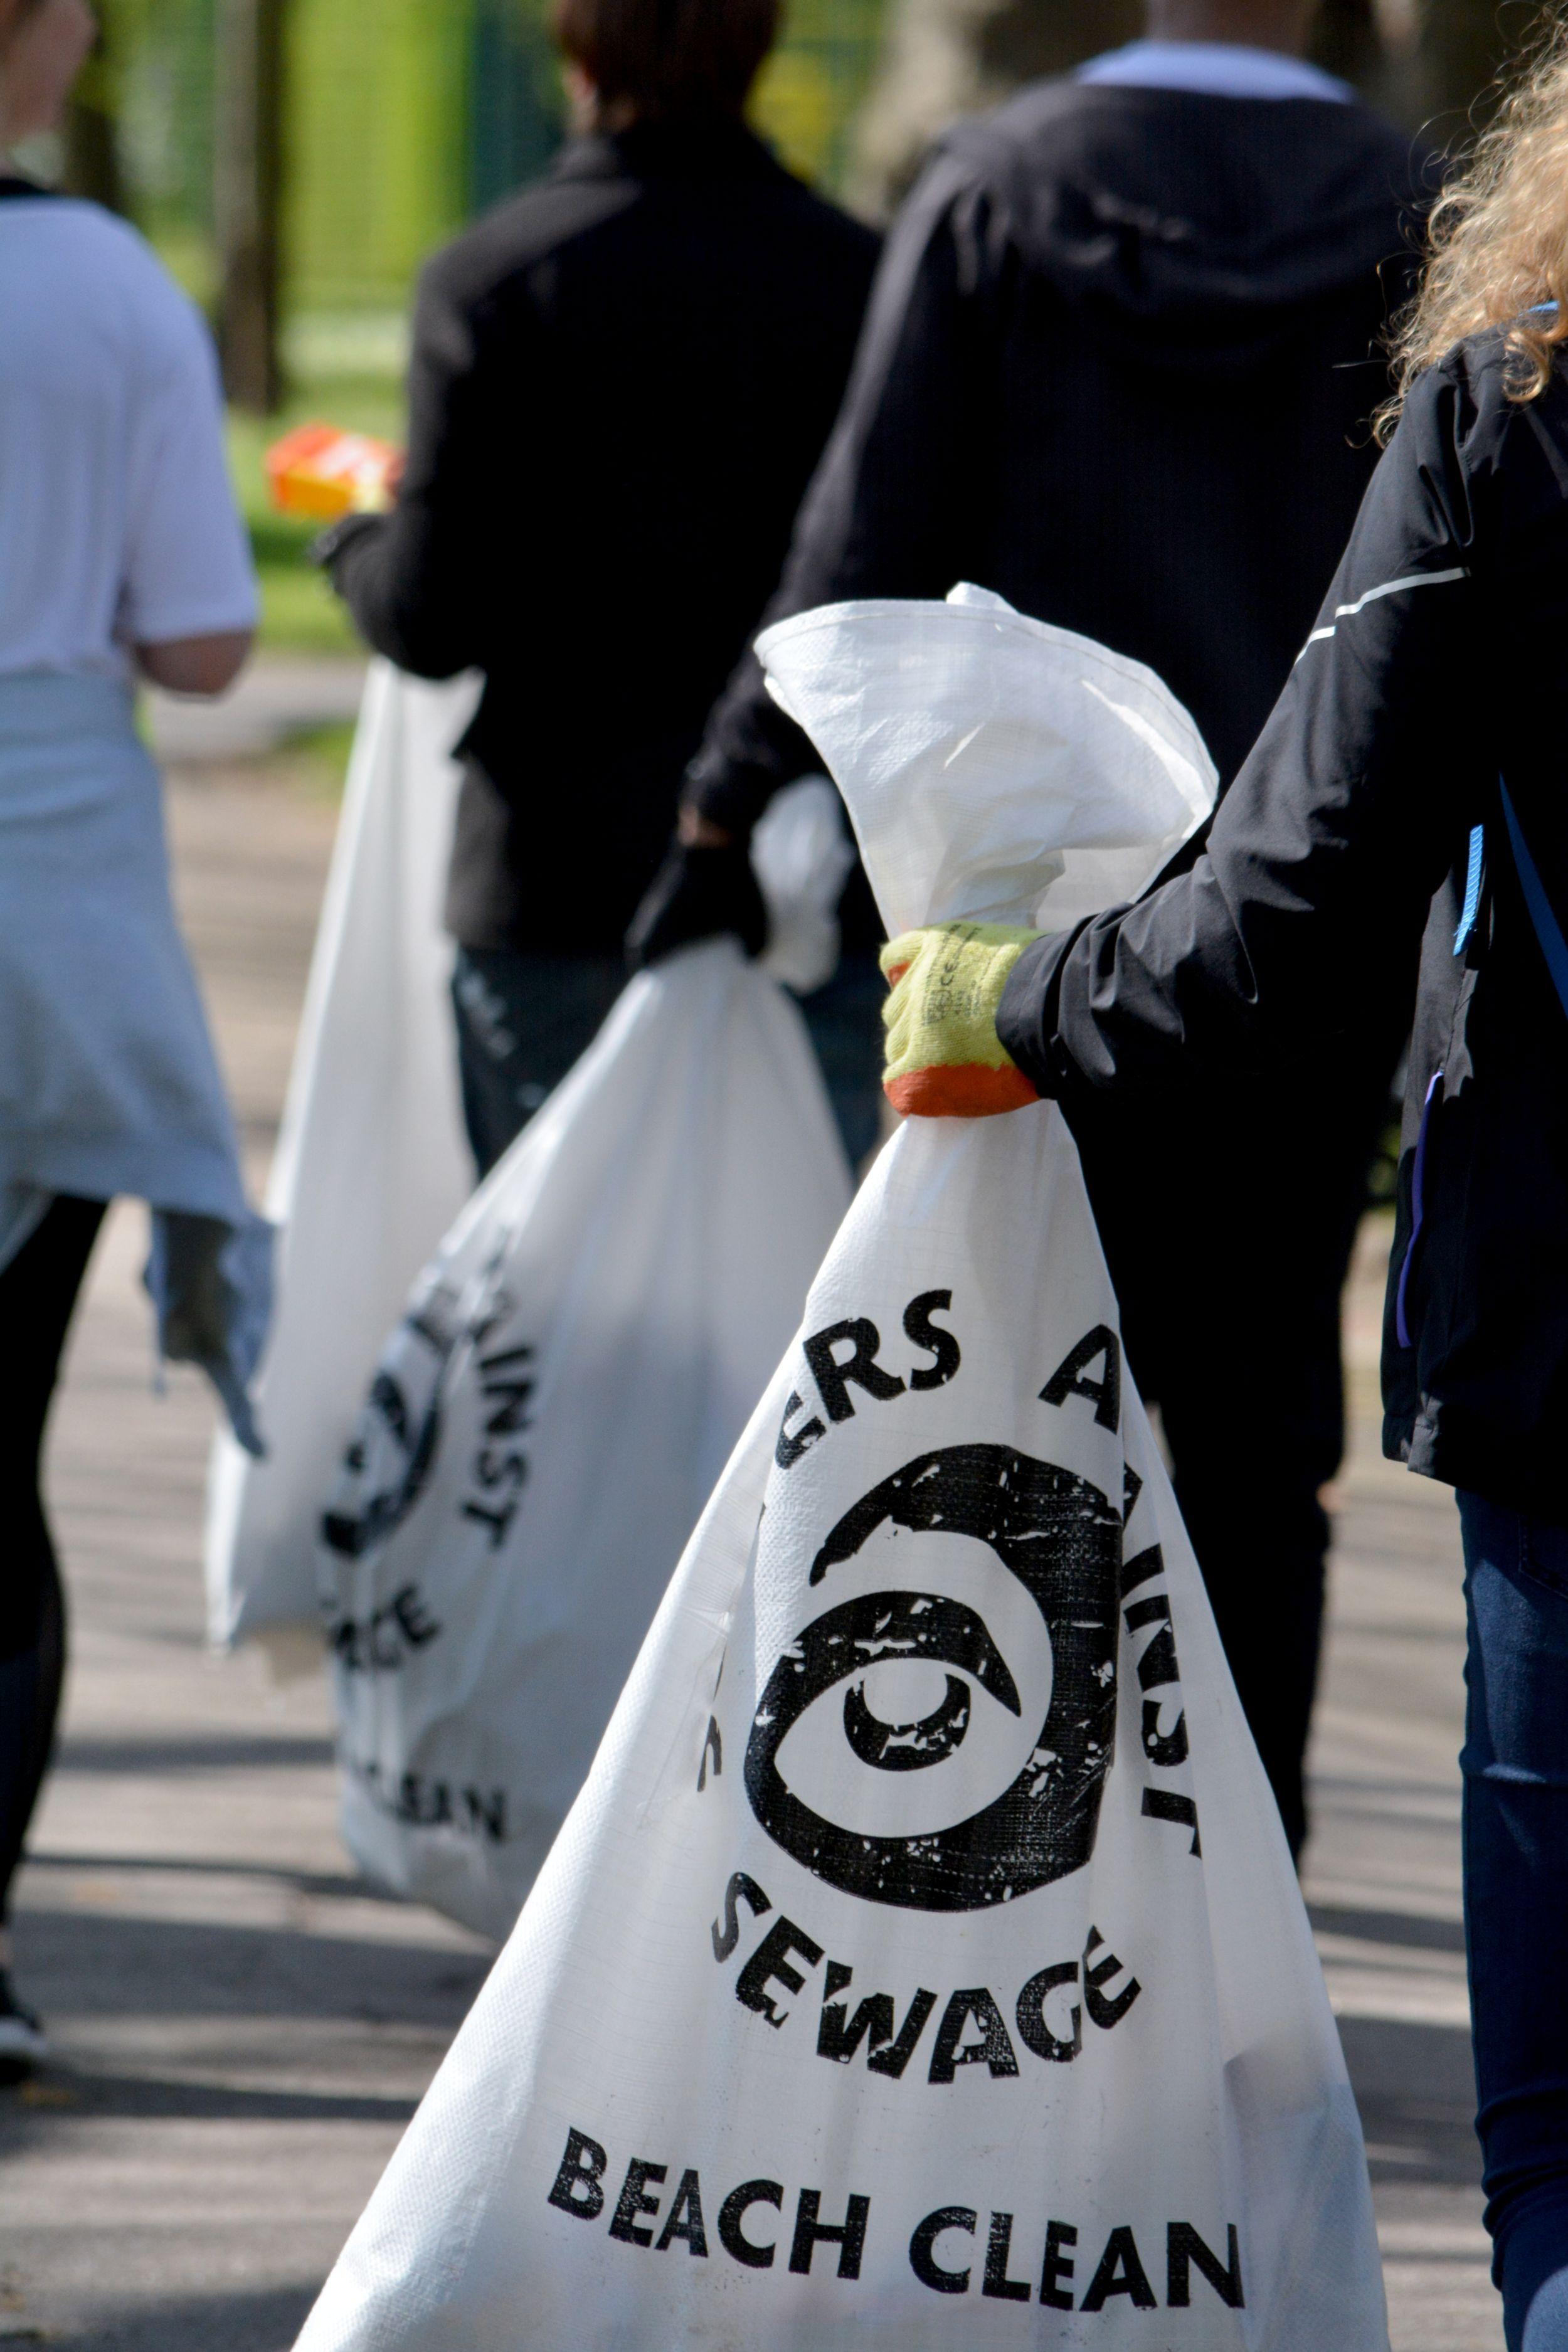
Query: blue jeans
pixel 524 1020
pixel 1515 1763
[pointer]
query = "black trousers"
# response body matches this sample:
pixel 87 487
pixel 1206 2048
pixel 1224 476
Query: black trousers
pixel 38 1291
pixel 1249 1482
pixel 524 1020
pixel 1228 1219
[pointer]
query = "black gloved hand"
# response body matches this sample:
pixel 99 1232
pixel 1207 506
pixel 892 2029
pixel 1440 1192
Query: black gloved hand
pixel 328 545
pixel 698 894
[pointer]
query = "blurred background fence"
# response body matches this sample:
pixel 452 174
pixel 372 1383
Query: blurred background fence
pixel 296 160
pixel 399 121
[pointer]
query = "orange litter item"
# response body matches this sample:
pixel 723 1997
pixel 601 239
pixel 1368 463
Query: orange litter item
pixel 321 471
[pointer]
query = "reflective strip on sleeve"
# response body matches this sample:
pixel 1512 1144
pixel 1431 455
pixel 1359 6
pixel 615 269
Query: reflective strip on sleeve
pixel 1385 588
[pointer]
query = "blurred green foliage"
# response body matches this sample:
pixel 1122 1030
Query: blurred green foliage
pixel 812 87
pixel 405 118
pixel 158 62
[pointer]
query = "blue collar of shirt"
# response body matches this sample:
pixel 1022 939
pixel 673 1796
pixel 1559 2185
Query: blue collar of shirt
pixel 1216 69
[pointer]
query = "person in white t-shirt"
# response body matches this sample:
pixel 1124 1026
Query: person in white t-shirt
pixel 122 557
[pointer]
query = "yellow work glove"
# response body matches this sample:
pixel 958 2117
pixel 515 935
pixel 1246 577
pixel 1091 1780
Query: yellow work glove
pixel 945 1059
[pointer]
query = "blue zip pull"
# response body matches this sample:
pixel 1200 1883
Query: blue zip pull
pixel 1472 888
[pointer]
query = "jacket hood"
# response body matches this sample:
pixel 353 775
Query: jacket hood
pixel 1208 223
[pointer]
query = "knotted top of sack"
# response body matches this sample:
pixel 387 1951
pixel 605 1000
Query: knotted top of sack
pixel 996 769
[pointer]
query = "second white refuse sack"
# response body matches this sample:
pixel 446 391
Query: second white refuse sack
pixel 549 1417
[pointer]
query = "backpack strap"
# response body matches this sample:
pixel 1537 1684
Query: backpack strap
pixel 1548 930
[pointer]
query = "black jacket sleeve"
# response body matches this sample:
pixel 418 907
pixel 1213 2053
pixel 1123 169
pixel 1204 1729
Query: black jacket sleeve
pixel 1339 831
pixel 889 511
pixel 415 581
pixel 1334 838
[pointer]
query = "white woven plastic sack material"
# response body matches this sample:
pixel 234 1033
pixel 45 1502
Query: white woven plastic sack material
pixel 371 1166
pixel 549 1417
pixel 801 856
pixel 922 1967
pixel 371 1163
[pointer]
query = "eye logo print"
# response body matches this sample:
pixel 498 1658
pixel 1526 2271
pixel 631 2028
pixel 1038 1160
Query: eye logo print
pixel 390 1457
pixel 1061 1538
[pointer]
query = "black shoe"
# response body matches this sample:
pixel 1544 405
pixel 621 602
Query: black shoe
pixel 22 2042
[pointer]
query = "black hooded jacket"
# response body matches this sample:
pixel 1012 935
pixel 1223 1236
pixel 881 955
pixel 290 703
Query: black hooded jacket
pixel 1117 367
pixel 621 380
pixel 1427 688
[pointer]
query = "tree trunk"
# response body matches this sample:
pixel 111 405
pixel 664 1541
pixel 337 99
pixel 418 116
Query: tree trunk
pixel 1345 38
pixel 92 147
pixel 1374 44
pixel 1463 44
pixel 248 175
pixel 1431 62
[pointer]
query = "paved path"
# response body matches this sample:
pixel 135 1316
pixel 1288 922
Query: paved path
pixel 279 698
pixel 243 2030
pixel 1383 1868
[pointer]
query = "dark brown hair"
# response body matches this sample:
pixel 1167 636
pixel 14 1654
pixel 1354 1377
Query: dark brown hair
pixel 674 60
pixel 12 11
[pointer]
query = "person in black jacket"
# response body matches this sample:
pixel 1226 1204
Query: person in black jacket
pixel 1409 786
pixel 621 380
pixel 1117 367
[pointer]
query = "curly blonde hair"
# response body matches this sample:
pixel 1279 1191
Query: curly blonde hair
pixel 1498 238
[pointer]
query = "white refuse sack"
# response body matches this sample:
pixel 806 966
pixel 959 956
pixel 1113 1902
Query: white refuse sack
pixel 921 1965
pixel 371 1166
pixel 571 1373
